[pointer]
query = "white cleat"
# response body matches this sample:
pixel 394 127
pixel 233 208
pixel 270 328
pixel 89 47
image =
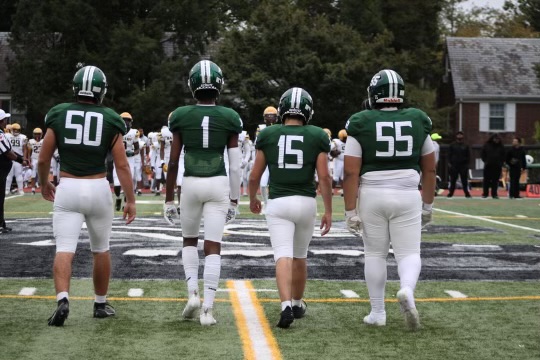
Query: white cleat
pixel 412 319
pixel 193 304
pixel 375 319
pixel 207 318
pixel 21 192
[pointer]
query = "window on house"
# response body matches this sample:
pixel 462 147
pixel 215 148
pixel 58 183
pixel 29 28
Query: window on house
pixel 496 116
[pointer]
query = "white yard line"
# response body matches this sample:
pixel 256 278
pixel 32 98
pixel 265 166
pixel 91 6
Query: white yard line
pixel 488 220
pixel 456 294
pixel 27 291
pixel 349 294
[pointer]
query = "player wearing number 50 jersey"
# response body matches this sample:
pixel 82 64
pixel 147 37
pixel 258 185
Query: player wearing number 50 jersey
pixel 204 130
pixel 292 152
pixel 84 132
pixel 390 150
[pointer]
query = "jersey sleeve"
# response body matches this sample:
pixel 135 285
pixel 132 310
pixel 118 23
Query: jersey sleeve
pixel 353 125
pixel 324 142
pixel 117 122
pixel 261 139
pixel 236 122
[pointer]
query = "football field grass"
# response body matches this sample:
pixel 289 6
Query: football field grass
pixel 460 319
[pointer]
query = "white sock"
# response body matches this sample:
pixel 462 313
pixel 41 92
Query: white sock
pixel 212 270
pixel 284 304
pixel 61 295
pixel 409 271
pixel 375 273
pixel 101 299
pixel 297 302
pixel 190 259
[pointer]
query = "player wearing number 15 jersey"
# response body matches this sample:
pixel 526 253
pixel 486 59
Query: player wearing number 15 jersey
pixel 390 150
pixel 292 152
pixel 204 130
pixel 84 132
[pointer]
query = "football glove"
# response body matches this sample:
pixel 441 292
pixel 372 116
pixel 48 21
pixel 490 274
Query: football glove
pixel 353 222
pixel 130 153
pixel 165 168
pixel 427 215
pixel 231 213
pixel 169 212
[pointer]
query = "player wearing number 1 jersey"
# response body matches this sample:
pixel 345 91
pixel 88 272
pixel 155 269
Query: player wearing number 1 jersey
pixel 390 150
pixel 84 132
pixel 292 152
pixel 205 130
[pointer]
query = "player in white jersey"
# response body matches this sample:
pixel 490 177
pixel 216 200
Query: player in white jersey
pixel 132 150
pixel 55 167
pixel 246 147
pixel 338 159
pixel 139 161
pixel 34 147
pixel 19 146
pixel 155 160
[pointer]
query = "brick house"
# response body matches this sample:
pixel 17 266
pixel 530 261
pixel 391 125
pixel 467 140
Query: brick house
pixel 493 87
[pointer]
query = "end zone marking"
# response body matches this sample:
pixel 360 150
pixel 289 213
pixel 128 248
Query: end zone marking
pixel 456 294
pixel 135 292
pixel 27 291
pixel 349 294
pixel 258 341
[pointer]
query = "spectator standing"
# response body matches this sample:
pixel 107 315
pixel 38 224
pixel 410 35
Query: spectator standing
pixel 493 156
pixel 515 159
pixel 459 155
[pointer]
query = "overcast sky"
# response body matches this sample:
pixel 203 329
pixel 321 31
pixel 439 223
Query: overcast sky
pixel 491 3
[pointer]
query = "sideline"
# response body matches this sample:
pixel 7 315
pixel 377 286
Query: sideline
pixel 257 338
pixel 488 220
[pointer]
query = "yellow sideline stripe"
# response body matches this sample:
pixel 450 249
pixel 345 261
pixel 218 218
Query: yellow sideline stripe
pixel 327 300
pixel 241 323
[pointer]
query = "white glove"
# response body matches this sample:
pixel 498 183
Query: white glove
pixel 427 214
pixel 231 213
pixel 244 163
pixel 354 224
pixel 170 212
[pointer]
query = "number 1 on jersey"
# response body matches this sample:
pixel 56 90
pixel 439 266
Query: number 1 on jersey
pixel 205 132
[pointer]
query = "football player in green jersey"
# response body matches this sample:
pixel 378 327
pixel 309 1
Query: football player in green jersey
pixel 388 151
pixel 292 152
pixel 84 132
pixel 204 130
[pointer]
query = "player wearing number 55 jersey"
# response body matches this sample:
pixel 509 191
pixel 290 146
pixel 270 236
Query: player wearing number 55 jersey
pixel 84 132
pixel 390 150
pixel 292 152
pixel 205 130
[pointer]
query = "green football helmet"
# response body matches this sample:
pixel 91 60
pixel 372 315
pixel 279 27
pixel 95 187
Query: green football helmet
pixel 205 75
pixel 90 81
pixel 386 87
pixel 296 101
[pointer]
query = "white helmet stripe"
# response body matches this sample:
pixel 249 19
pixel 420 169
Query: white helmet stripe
pixel 85 77
pixel 296 95
pixel 393 82
pixel 205 72
pixel 390 82
pixel 90 77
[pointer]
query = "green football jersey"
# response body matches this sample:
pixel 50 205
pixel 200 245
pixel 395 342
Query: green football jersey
pixel 291 154
pixel 205 133
pixel 390 140
pixel 84 135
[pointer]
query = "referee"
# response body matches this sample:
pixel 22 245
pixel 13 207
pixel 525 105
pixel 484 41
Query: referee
pixel 6 155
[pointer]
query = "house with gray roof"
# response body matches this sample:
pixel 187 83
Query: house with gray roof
pixel 493 85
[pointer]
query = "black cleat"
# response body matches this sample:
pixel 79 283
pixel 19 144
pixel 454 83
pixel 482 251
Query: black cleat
pixel 299 311
pixel 118 204
pixel 286 318
pixel 5 230
pixel 60 314
pixel 103 310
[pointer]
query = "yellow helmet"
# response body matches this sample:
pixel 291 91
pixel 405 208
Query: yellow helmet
pixel 342 134
pixel 16 128
pixel 327 131
pixel 270 115
pixel 8 128
pixel 37 131
pixel 126 115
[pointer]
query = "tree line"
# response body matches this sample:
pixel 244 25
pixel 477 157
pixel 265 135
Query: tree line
pixel 331 48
